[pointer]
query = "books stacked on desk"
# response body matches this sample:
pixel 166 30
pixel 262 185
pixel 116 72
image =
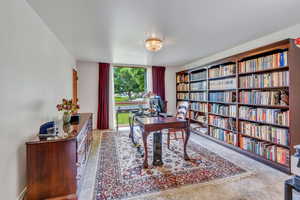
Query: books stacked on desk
pixel 275 60
pixel 223 70
pixel 271 116
pixel 274 79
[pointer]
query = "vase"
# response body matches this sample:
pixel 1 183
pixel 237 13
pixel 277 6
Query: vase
pixel 66 117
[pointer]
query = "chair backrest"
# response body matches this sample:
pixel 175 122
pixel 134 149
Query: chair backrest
pixel 182 109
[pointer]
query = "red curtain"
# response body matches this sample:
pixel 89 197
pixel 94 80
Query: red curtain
pixel 158 81
pixel 103 96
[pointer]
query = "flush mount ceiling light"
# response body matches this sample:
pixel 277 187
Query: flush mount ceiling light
pixel 153 44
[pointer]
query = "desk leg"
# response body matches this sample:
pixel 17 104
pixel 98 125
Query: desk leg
pixel 117 120
pixel 187 136
pixel 288 192
pixel 145 135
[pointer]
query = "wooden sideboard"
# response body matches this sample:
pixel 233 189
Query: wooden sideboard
pixel 55 167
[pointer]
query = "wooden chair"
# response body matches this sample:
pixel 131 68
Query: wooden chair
pixel 182 109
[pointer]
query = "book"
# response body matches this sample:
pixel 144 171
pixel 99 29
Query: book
pixel 227 110
pixel 183 87
pixel 181 78
pixel 265 132
pixel 202 107
pixel 198 96
pixel 198 76
pixel 183 96
pixel 274 79
pixel 222 70
pixel 223 135
pixel 202 85
pixel 227 83
pixel 228 96
pixel 271 116
pixel 221 122
pixel 278 97
pixel 275 60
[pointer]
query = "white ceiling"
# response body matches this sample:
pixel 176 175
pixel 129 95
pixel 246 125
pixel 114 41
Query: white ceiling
pixel 114 30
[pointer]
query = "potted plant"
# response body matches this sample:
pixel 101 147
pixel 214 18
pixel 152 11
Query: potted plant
pixel 68 107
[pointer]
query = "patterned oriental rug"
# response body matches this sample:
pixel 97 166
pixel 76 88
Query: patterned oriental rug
pixel 120 172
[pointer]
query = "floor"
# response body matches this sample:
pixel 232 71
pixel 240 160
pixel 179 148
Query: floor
pixel 265 183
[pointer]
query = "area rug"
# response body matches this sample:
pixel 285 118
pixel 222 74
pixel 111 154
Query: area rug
pixel 120 173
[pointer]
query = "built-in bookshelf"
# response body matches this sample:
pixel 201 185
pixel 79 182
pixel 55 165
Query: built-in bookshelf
pixel 249 102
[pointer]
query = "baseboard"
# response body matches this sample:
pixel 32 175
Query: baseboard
pixel 22 194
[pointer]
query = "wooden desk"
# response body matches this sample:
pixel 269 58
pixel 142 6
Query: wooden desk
pixel 150 124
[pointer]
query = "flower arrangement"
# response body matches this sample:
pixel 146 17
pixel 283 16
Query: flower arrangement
pixel 67 106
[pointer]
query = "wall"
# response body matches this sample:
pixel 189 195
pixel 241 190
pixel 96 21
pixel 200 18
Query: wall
pixel 291 32
pixel 35 74
pixel 170 84
pixel 88 76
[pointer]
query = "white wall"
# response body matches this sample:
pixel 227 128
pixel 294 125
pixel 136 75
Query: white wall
pixel 170 87
pixel 35 74
pixel 291 32
pixel 88 76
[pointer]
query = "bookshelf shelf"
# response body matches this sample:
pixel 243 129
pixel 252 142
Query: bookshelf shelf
pixel 265 88
pixel 220 90
pixel 264 123
pixel 225 129
pixel 225 103
pixel 222 77
pixel 265 71
pixel 284 54
pixel 226 116
pixel 281 145
pixel 265 106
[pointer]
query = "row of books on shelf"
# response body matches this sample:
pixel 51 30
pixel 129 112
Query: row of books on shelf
pixel 222 70
pixel 266 150
pixel 198 96
pixel 182 78
pixel 183 96
pixel 274 79
pixel 228 110
pixel 202 107
pixel 228 96
pixel 227 83
pixel 279 97
pixel 223 135
pixel 198 76
pixel 265 132
pixel 275 60
pixel 221 122
pixel 198 117
pixel 183 87
pixel 202 85
pixel 271 116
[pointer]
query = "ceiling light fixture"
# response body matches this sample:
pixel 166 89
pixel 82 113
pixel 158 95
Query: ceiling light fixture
pixel 153 44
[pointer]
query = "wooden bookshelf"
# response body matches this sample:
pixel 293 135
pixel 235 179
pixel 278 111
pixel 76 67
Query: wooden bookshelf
pixel 272 53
